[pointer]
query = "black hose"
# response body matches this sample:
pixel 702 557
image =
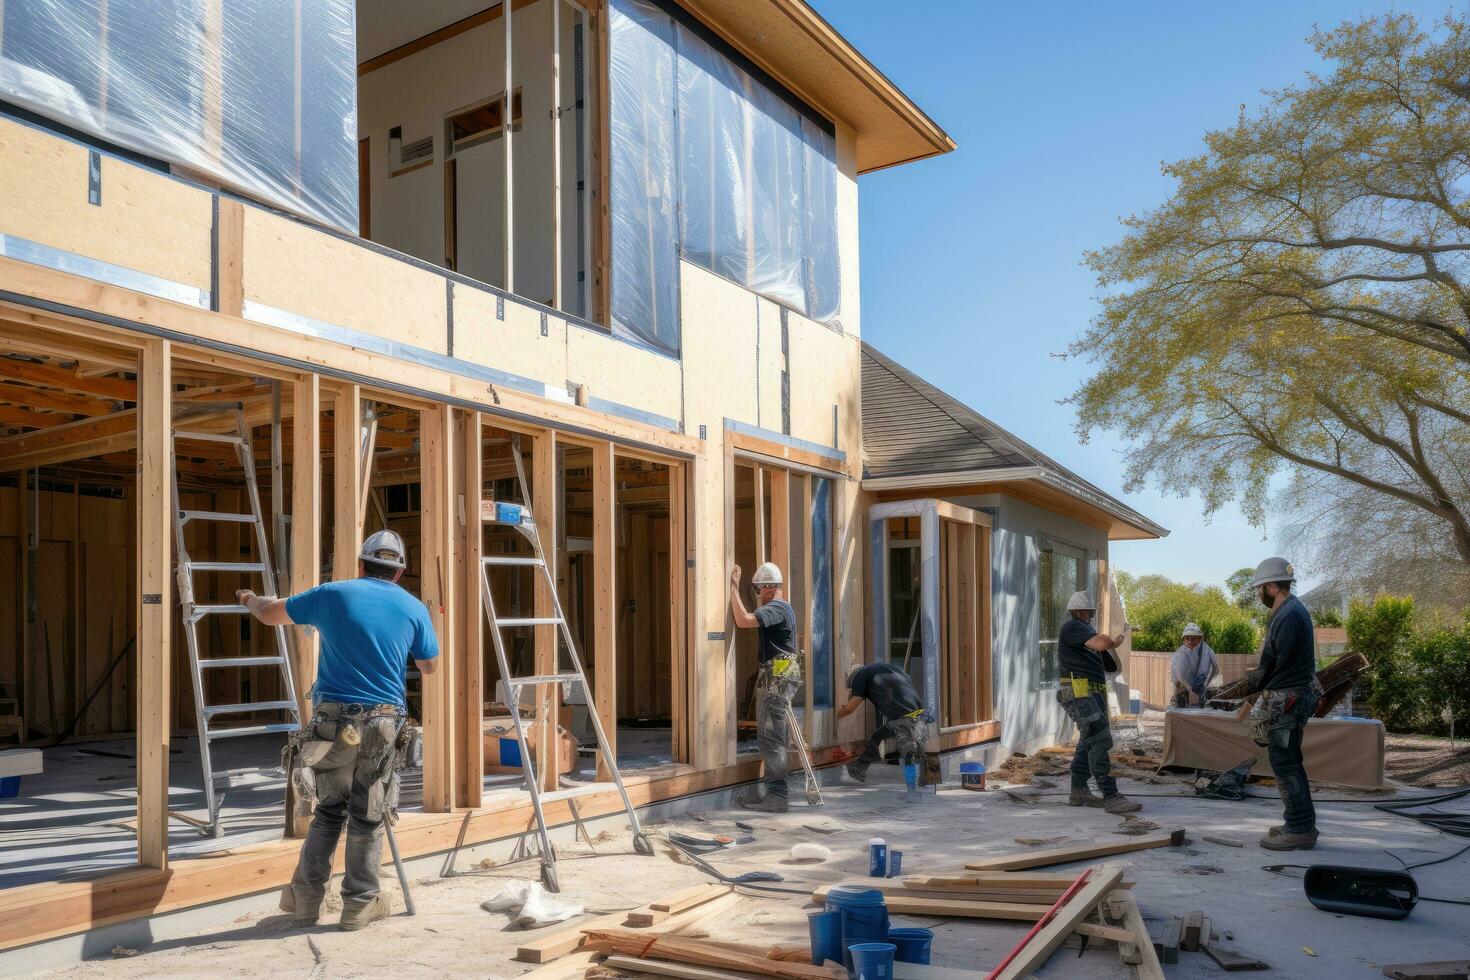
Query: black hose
pixel 725 879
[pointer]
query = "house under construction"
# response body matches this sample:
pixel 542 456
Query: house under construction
pixel 274 276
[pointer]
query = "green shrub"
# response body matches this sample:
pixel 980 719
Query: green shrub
pixel 1236 636
pixel 1159 610
pixel 1328 618
pixel 1380 631
pixel 1439 655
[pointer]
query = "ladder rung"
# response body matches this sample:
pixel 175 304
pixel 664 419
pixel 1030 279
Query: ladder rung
pixel 211 515
pixel 545 679
pixel 280 726
pixel 208 610
pixel 225 566
pixel 210 710
pixel 511 560
pixel 209 437
pixel 528 621
pixel 241 661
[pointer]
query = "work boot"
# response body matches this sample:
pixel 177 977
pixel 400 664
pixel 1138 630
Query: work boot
pixel 1081 797
pixel 771 804
pixel 357 916
pixel 1118 803
pixel 304 910
pixel 1287 841
pixel 858 770
pixel 1277 830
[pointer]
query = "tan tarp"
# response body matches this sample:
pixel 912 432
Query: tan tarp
pixel 1341 751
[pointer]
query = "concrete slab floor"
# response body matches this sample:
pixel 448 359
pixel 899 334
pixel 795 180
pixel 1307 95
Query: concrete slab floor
pixel 1267 915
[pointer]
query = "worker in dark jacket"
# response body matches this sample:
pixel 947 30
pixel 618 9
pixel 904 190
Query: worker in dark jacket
pixel 900 714
pixel 1083 658
pixel 1287 675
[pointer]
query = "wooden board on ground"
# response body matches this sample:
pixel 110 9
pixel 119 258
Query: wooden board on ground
pixel 663 968
pixel 656 912
pixel 925 971
pixel 1142 951
pixel 1075 852
pixel 544 949
pixel 1441 970
pixel 1233 961
pixel 693 952
pixel 1030 956
pixel 897 900
pixel 563 969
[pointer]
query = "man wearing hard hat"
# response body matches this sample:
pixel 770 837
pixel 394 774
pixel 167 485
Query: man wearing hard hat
pixel 369 628
pixel 1192 667
pixel 1287 675
pixel 1083 657
pixel 780 676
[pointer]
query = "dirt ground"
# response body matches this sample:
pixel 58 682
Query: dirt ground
pixel 1418 760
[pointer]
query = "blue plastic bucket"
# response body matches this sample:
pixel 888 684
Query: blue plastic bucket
pixel 872 961
pixel 911 945
pixel 826 930
pixel 972 775
pixel 864 916
pixel 9 786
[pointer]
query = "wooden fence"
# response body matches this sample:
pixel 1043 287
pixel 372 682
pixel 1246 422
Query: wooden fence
pixel 1148 674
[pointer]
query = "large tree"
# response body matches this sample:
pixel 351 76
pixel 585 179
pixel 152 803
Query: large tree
pixel 1302 302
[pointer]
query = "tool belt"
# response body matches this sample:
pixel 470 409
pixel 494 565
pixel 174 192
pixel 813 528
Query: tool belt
pixel 1081 687
pixel 780 666
pixel 917 714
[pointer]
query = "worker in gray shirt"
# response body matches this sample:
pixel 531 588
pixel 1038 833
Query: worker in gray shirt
pixel 1191 667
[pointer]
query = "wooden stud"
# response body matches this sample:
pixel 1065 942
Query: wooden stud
pixel 1075 852
pixel 809 605
pixel 155 605
pixel 304 569
pixel 436 432
pixel 469 658
pixel 679 646
pixel 758 512
pixel 604 598
pixel 982 578
pixel 346 481
pixel 547 641
pixel 1035 951
pixel 231 259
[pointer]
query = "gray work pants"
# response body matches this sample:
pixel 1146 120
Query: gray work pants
pixel 351 791
pixel 906 732
pixel 773 701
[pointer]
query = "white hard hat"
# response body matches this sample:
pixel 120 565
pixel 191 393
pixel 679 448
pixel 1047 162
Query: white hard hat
pixel 1080 600
pixel 385 548
pixel 1192 629
pixel 1274 570
pixel 767 574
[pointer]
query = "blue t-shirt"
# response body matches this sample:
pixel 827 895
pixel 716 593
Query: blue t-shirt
pixel 369 628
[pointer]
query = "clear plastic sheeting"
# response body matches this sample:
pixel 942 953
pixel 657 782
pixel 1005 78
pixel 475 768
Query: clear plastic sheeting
pixel 754 181
pixel 645 292
pixel 258 94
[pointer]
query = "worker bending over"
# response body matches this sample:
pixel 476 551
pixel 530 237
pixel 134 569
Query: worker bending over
pixel 1083 655
pixel 779 677
pixel 900 714
pixel 1192 667
pixel 1287 675
pixel 369 628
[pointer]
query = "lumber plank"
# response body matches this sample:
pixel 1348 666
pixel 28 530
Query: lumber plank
pixel 565 968
pixel 155 599
pixel 1439 970
pixel 1233 961
pixel 1076 852
pixel 900 901
pixel 1148 960
pixel 1036 951
pixel 680 901
pixel 695 952
pixel 633 964
pixel 546 948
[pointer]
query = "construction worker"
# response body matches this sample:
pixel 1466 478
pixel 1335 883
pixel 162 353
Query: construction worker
pixel 900 713
pixel 1287 675
pixel 1083 657
pixel 369 628
pixel 1192 667
pixel 779 677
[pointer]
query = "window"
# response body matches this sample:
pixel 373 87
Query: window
pixel 1062 570
pixel 482 122
pixel 750 193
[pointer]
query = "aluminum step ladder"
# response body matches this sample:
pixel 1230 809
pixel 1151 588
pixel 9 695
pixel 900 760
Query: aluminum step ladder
pixel 216 783
pixel 519 517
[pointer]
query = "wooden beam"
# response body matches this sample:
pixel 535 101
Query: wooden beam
pixel 56 401
pixel 1036 948
pixel 10 415
pixel 809 603
pixel 231 258
pixel 477 19
pixel 115 389
pixel 155 600
pixel 604 599
pixel 469 657
pixel 1077 852
pixel 435 578
pixel 548 696
pixel 346 481
pixel 304 570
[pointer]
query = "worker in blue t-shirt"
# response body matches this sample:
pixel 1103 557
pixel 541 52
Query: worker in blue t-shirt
pixel 369 628
pixel 1084 656
pixel 780 676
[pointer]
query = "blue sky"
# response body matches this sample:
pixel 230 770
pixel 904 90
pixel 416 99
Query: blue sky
pixel 971 262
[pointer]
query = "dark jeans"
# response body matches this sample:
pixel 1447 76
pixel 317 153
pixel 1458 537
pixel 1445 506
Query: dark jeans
pixel 1284 732
pixel 1094 742
pixel 905 731
pixel 351 792
pixel 773 702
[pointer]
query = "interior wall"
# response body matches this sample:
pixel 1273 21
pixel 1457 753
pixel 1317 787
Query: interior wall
pixel 419 92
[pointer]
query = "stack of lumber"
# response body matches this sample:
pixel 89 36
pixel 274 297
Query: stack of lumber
pixel 680 912
pixel 701 953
